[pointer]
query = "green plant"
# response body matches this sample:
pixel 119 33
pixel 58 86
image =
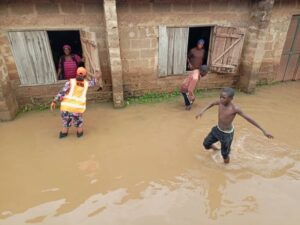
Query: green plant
pixel 152 97
pixel 166 96
pixel 34 107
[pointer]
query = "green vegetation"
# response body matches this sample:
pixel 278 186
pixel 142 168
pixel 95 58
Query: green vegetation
pixel 165 96
pixel 34 107
pixel 263 83
pixel 152 97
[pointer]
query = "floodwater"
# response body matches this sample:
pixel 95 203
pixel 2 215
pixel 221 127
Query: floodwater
pixel 145 165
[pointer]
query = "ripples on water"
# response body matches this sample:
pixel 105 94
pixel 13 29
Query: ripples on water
pixel 253 153
pixel 154 173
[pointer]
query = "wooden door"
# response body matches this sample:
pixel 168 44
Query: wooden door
pixel 289 68
pixel 163 51
pixel 227 45
pixel 90 53
pixel 177 56
pixel 33 57
pixel 173 42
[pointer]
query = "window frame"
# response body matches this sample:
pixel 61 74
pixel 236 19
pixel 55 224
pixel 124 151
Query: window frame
pixel 28 29
pixel 225 68
pixel 189 26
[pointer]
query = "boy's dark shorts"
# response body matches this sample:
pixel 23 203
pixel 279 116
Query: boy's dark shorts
pixel 216 135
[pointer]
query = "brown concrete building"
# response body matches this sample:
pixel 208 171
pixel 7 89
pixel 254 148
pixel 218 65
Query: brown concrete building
pixel 141 45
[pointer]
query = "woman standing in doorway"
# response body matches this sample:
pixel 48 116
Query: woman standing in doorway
pixel 68 64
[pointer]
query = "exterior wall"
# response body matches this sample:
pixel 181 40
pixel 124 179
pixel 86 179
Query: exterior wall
pixel 253 51
pixel 8 103
pixel 52 15
pixel 113 43
pixel 138 26
pixel 138 22
pixel 279 24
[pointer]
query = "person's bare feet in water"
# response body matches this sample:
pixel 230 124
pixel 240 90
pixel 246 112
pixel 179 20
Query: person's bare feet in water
pixel 227 160
pixel 215 148
pixel 188 107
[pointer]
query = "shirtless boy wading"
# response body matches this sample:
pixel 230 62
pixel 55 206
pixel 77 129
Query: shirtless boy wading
pixel 224 131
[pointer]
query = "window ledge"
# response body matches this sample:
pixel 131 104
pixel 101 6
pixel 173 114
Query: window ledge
pixel 33 85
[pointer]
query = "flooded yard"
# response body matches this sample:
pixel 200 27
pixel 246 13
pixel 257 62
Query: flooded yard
pixel 145 165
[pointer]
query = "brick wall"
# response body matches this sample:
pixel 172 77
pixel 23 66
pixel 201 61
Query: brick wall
pixel 43 94
pixel 8 102
pixel 113 43
pixel 6 52
pixel 138 22
pixel 52 15
pixel 138 27
pixel 280 20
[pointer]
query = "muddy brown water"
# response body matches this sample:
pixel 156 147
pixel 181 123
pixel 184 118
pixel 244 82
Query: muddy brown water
pixel 145 165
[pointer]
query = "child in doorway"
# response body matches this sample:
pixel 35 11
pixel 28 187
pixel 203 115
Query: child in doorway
pixel 73 101
pixel 223 132
pixel 189 84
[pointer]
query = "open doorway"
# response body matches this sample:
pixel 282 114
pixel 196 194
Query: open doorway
pixel 196 33
pixel 58 39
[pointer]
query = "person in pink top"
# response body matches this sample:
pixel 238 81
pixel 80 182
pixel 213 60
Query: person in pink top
pixel 189 84
pixel 68 64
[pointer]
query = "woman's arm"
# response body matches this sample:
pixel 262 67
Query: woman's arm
pixel 96 79
pixel 78 59
pixel 58 73
pixel 62 92
pixel 60 95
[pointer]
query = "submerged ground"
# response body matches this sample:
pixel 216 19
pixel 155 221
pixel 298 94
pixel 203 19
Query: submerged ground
pixel 145 165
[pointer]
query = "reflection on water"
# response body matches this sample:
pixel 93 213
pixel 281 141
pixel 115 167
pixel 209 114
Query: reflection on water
pixel 145 165
pixel 110 209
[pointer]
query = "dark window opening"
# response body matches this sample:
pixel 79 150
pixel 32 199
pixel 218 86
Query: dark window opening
pixel 196 33
pixel 58 39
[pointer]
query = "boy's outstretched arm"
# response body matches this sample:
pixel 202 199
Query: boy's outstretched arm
pixel 206 108
pixel 250 120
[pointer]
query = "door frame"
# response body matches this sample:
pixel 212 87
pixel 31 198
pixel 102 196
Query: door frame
pixel 288 52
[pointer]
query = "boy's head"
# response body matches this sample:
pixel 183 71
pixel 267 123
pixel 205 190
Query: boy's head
pixel 203 70
pixel 226 95
pixel 200 43
pixel 80 74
